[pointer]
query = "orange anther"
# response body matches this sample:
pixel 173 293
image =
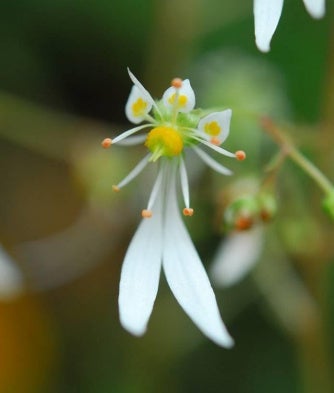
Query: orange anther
pixel 240 155
pixel 177 83
pixel 188 211
pixel 146 213
pixel 215 141
pixel 107 142
pixel 115 188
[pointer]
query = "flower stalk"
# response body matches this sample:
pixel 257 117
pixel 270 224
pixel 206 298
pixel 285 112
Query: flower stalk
pixel 296 156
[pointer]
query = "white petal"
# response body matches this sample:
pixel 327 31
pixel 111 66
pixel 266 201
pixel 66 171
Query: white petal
pixel 266 14
pixel 137 106
pixel 10 277
pixel 140 274
pixel 186 97
pixel 316 8
pixel 216 121
pixel 187 278
pixel 143 91
pixel 141 88
pixel 236 256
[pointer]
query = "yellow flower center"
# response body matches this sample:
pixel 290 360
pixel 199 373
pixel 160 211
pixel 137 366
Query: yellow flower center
pixel 212 128
pixel 181 102
pixel 138 107
pixel 164 141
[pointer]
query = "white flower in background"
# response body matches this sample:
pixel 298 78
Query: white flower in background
pixel 162 239
pixel 237 255
pixel 267 14
pixel 10 277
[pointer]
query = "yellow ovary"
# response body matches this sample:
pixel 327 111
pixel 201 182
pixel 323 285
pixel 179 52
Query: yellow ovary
pixel 212 128
pixel 164 141
pixel 182 100
pixel 139 107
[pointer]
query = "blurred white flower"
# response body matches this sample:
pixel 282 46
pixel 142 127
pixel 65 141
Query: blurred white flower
pixel 267 14
pixel 237 255
pixel 10 277
pixel 162 239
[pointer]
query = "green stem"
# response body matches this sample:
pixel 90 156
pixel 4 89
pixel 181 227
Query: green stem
pixel 311 170
pixel 290 150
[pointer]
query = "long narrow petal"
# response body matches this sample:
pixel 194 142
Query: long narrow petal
pixel 140 274
pixel 187 278
pixel 316 8
pixel 266 14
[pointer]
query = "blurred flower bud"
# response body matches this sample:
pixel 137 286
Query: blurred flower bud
pixel 267 206
pixel 241 213
pixel 328 204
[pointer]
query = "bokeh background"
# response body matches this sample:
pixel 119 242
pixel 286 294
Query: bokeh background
pixel 63 87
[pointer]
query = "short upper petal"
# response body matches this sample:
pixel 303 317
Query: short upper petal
pixel 316 8
pixel 187 278
pixel 266 15
pixel 140 274
pixel 216 125
pixel 185 97
pixel 137 106
pixel 141 88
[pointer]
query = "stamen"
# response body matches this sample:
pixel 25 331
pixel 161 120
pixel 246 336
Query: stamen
pixel 216 166
pixel 218 149
pixel 184 183
pixel 215 141
pixel 188 211
pixel 155 190
pixel 177 83
pixel 106 143
pixel 115 188
pixel 127 133
pixel 135 172
pixel 240 155
pixel 146 213
pixel 133 140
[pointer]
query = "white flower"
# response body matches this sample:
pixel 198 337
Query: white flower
pixel 236 256
pixel 162 239
pixel 267 14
